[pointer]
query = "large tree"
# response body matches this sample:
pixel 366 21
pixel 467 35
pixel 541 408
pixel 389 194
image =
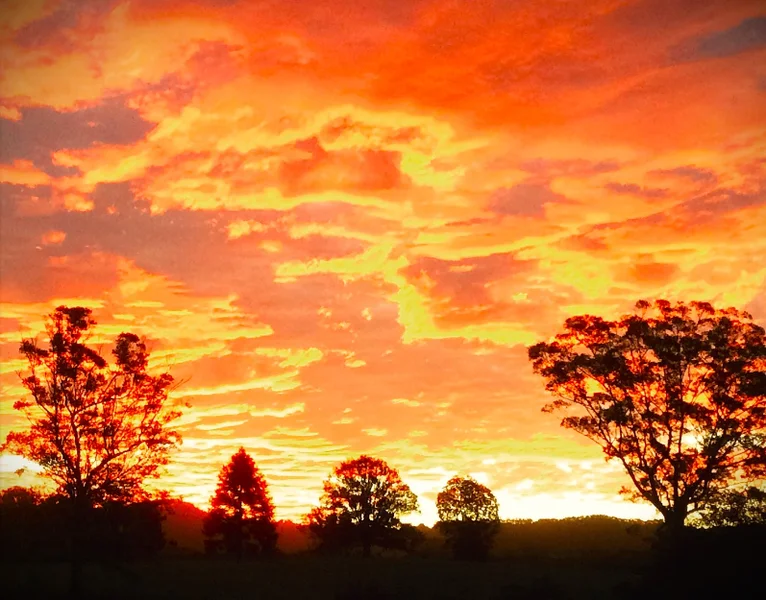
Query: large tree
pixel 241 513
pixel 98 431
pixel 676 392
pixel 362 503
pixel 468 516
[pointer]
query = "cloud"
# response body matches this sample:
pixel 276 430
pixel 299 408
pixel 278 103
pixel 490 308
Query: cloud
pixel 53 237
pixel 747 35
pixel 23 173
pixel 374 432
pixel 636 190
pixel 42 131
pixel 723 200
pixel 405 402
pixel 524 199
pixel 647 272
pixel 693 173
pixel 365 171
pixel 57 27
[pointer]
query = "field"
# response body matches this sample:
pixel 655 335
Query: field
pixel 592 557
pixel 334 578
pixel 581 558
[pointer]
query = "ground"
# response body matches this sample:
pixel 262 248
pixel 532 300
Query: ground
pixel 317 577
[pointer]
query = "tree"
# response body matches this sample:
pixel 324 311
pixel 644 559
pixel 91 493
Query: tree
pixel 97 431
pixel 241 513
pixel 468 516
pixel 675 392
pixel 362 503
pixel 19 523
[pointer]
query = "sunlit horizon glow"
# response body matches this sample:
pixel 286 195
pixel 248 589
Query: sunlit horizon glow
pixel 339 224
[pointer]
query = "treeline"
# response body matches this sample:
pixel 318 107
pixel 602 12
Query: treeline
pixel 361 507
pixel 364 499
pixel 596 538
pixel 34 527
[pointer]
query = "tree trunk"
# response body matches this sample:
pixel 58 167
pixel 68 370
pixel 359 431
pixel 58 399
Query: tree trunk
pixel 675 522
pixel 77 522
pixel 671 552
pixel 240 536
pixel 366 540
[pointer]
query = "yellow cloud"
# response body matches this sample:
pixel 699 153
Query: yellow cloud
pixel 293 357
pixel 238 229
pixel 375 432
pixel 405 402
pixel 23 172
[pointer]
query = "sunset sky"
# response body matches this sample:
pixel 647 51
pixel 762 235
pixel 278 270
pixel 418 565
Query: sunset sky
pixel 341 223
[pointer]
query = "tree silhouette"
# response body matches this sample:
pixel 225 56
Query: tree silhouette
pixel 675 392
pixel 241 513
pixel 97 431
pixel 362 503
pixel 34 528
pixel 19 522
pixel 468 517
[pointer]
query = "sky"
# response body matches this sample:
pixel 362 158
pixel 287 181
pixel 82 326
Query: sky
pixel 340 224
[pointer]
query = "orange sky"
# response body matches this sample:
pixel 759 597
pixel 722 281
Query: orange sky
pixel 342 222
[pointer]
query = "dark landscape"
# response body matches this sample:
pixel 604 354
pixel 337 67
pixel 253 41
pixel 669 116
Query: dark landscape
pixel 383 299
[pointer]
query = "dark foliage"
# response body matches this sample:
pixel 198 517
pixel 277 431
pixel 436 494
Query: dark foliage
pixel 406 538
pixel 468 517
pixel 675 392
pixel 594 539
pixel 469 540
pixel 241 517
pixel 705 563
pixel 733 507
pixel 362 502
pixel 33 528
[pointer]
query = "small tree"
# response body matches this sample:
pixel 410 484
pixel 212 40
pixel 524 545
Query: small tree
pixel 468 516
pixel 241 513
pixel 676 393
pixel 98 431
pixel 362 503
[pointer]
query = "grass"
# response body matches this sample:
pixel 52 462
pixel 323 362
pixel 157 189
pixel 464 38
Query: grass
pixel 318 577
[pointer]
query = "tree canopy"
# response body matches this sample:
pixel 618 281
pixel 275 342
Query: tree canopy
pixel 676 392
pixel 362 503
pixel 465 499
pixel 241 511
pixel 468 516
pixel 98 431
